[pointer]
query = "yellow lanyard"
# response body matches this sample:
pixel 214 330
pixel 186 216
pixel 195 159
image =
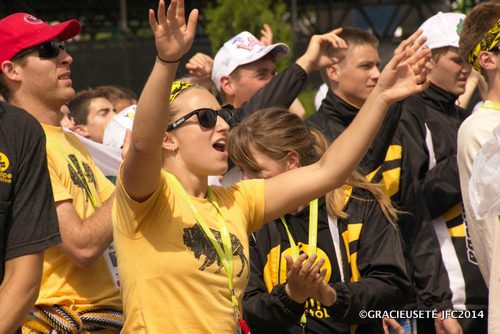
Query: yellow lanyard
pixel 313 231
pixel 75 167
pixel 226 254
pixel 313 241
pixel 491 105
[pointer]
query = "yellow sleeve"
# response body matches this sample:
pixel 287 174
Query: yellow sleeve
pixel 128 214
pixel 249 195
pixel 61 193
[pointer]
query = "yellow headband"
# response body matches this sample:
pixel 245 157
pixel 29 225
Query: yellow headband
pixel 489 40
pixel 177 88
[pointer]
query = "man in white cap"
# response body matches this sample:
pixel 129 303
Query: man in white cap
pixel 243 65
pixel 77 289
pixel 430 122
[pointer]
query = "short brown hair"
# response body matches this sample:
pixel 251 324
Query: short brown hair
pixel 79 105
pixel 476 25
pixel 353 37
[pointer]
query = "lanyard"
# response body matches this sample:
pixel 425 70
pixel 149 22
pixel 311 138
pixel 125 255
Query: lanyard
pixel 226 254
pixel 75 166
pixel 491 105
pixel 313 231
pixel 313 241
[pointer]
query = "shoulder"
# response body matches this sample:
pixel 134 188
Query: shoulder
pixel 18 119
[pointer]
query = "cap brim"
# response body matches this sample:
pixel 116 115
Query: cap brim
pixel 61 31
pixel 280 50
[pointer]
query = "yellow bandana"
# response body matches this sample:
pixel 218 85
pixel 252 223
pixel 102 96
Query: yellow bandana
pixel 489 40
pixel 177 88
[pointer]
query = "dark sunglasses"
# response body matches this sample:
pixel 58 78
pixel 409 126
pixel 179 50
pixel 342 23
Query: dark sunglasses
pixel 46 50
pixel 206 117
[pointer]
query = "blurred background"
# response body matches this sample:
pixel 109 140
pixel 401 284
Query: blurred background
pixel 116 45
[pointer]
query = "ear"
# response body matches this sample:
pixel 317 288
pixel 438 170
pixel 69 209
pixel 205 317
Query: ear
pixel 488 60
pixel 226 85
pixel 292 160
pixel 170 142
pixel 332 72
pixel 11 70
pixel 81 130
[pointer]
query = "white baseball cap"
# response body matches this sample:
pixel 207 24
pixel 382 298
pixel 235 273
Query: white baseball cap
pixel 114 134
pixel 443 29
pixel 242 49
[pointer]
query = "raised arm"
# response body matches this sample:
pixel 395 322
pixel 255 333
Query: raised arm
pixel 173 38
pixel 399 79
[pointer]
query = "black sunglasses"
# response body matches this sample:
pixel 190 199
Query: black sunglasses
pixel 206 117
pixel 46 50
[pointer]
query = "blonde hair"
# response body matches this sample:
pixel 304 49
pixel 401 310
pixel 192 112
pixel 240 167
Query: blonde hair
pixel 275 132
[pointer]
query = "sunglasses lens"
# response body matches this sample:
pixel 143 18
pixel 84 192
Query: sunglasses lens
pixel 50 49
pixel 207 118
pixel 227 116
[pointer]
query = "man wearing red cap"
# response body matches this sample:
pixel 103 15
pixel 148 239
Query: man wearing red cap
pixel 77 292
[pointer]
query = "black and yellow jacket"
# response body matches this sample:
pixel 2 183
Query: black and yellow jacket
pixel 421 247
pixel 369 275
pixel 431 120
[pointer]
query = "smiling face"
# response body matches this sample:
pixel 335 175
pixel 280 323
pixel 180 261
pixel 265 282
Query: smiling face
pixel 200 150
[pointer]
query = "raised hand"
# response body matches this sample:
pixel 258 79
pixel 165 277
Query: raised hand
pixel 404 76
pixel 173 37
pixel 200 65
pixel 303 277
pixel 266 34
pixel 411 44
pixel 319 53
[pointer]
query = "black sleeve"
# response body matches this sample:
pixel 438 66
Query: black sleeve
pixel 441 186
pixel 267 312
pixel 375 156
pixel 427 269
pixel 384 281
pixel 281 91
pixel 33 218
pixel 429 273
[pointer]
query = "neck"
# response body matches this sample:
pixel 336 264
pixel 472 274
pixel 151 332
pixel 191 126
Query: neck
pixel 194 185
pixel 493 93
pixel 43 113
pixel 356 105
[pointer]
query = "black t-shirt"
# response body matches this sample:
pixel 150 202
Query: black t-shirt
pixel 28 219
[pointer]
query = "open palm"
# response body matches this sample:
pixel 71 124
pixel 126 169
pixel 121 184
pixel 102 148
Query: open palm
pixel 173 36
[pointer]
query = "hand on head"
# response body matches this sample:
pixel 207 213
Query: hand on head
pixel 319 51
pixel 266 34
pixel 173 36
pixel 200 66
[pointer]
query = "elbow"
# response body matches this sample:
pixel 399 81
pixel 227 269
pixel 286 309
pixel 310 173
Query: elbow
pixel 85 258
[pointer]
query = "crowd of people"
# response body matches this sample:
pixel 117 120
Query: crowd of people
pixel 211 204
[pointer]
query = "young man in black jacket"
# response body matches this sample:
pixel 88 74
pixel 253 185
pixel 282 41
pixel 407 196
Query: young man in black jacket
pixel 431 120
pixel 339 108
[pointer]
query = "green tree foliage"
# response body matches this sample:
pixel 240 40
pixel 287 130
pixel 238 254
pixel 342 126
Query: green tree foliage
pixel 229 17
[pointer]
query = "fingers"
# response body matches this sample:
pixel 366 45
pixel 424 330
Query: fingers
pixel 152 20
pixel 172 9
pixel 192 22
pixel 180 10
pixel 409 42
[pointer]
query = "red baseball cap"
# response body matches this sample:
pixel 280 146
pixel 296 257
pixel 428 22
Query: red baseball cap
pixel 21 31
